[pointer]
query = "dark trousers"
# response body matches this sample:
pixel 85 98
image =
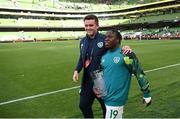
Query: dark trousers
pixel 87 97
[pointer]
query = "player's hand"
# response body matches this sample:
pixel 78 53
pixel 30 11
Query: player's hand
pixel 97 92
pixel 75 76
pixel 147 101
pixel 126 49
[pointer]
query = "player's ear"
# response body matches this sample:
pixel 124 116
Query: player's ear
pixel 117 41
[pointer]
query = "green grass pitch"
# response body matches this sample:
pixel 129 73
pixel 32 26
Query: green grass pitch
pixel 28 69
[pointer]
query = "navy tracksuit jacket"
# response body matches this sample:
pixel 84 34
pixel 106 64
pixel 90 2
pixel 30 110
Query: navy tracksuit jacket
pixel 94 48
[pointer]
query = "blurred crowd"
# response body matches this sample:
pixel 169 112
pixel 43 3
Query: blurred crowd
pixel 156 34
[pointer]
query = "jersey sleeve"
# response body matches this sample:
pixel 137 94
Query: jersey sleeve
pixel 134 67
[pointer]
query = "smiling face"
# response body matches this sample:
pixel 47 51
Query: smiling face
pixel 91 27
pixel 112 39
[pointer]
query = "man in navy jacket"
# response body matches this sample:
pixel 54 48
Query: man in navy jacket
pixel 92 47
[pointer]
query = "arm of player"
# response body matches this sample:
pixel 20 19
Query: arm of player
pixel 134 66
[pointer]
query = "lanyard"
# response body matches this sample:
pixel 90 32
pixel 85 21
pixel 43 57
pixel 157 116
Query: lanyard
pixel 89 57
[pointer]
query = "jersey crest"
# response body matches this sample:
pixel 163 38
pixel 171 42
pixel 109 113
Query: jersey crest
pixel 100 44
pixel 116 59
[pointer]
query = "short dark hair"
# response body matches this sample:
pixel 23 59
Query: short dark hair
pixel 118 34
pixel 92 17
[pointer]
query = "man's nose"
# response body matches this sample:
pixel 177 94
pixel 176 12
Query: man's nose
pixel 106 39
pixel 88 27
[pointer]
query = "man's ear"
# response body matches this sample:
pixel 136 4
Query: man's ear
pixel 117 41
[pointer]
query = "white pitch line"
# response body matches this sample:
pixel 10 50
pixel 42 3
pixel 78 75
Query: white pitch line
pixel 164 67
pixel 39 95
pixel 66 89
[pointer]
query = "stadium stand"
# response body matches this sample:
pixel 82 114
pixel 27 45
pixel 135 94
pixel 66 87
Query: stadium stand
pixel 151 15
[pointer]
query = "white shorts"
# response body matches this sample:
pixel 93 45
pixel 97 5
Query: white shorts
pixel 114 112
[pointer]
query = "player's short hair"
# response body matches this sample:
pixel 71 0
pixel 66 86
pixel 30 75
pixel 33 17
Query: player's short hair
pixel 92 17
pixel 118 34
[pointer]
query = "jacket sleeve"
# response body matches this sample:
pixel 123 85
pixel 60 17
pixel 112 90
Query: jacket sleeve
pixel 79 65
pixel 134 66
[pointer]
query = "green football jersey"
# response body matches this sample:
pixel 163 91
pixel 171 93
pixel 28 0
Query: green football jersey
pixel 117 77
